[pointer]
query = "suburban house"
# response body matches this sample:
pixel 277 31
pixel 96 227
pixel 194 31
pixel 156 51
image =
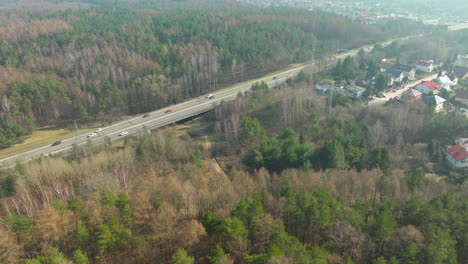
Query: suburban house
pixel 437 101
pixel 355 91
pixel 461 61
pixel 428 88
pixel 408 71
pixel 324 89
pixel 411 95
pixel 461 73
pixel 361 83
pixel 394 75
pixel 425 66
pixel 457 155
pixel 461 97
pixel 446 83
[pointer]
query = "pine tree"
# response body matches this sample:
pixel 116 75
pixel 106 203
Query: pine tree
pixel 181 257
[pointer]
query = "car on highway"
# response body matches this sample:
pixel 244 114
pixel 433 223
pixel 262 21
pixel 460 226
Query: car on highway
pixel 98 130
pixel 169 111
pixel 123 133
pixel 146 115
pixel 56 143
pixel 210 96
pixel 91 135
pixel 274 78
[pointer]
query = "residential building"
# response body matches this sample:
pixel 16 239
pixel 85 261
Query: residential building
pixel 461 61
pixel 425 66
pixel 394 75
pixel 324 89
pixel 411 95
pixel 445 82
pixel 461 73
pixel 408 71
pixel 428 88
pixel 457 155
pixel 437 101
pixel 355 91
pixel 461 97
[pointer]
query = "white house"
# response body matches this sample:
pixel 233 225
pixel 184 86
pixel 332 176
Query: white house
pixel 446 82
pixel 408 71
pixel 457 155
pixel 425 66
pixel 394 75
pixel 439 103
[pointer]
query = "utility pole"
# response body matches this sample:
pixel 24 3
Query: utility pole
pixel 76 138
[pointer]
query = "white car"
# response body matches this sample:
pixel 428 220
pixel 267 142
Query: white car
pixel 98 130
pixel 123 133
pixel 91 135
pixel 210 96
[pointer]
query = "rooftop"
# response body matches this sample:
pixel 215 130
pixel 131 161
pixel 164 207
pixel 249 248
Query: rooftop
pixel 425 62
pixel 434 86
pixel 460 71
pixel 394 72
pixel 445 79
pixel 458 152
pixel 461 94
pixel 412 93
pixel 403 67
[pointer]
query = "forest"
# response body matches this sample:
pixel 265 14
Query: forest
pixel 66 61
pixel 276 176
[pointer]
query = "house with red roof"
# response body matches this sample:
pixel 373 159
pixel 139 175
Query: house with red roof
pixel 457 155
pixel 428 88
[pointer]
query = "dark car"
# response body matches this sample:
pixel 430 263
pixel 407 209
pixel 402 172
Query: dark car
pixel 56 143
pixel 146 115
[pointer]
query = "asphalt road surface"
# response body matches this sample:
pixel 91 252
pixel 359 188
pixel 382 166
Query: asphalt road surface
pixel 160 118
pixel 155 119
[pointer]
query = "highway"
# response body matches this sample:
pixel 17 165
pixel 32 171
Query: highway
pixel 160 118
pixel 155 119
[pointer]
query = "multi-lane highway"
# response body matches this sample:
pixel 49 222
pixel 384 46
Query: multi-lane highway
pixel 179 112
pixel 155 119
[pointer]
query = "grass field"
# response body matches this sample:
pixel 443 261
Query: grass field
pixel 41 137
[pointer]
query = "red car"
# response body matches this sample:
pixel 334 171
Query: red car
pixel 169 111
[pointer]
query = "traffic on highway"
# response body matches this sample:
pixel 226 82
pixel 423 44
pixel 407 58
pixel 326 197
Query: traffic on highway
pixel 174 113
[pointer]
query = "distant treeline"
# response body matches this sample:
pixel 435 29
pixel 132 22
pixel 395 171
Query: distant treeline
pixel 98 63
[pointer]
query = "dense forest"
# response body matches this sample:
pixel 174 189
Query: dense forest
pixel 276 176
pixel 65 61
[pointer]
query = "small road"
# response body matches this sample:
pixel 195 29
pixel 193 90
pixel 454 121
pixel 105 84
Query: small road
pixel 392 94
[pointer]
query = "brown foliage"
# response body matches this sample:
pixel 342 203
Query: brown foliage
pixel 10 251
pixel 348 240
pixel 32 29
pixel 53 226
